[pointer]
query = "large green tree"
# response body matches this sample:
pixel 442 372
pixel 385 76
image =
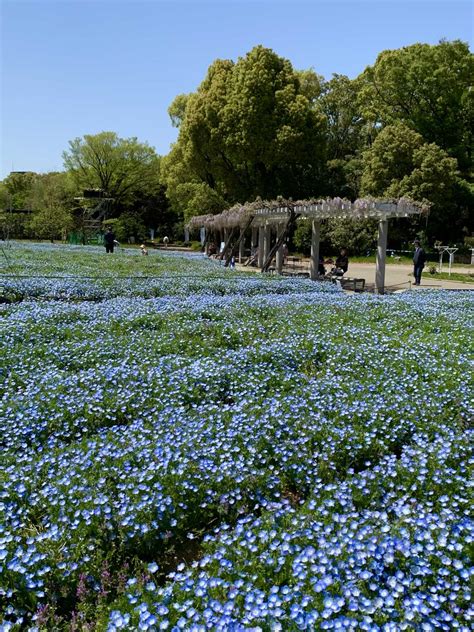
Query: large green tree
pixel 52 200
pixel 347 135
pixel 16 200
pixel 118 166
pixel 430 89
pixel 250 129
pixel 400 163
pixel 18 189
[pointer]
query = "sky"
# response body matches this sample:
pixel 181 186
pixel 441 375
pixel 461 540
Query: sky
pixel 75 67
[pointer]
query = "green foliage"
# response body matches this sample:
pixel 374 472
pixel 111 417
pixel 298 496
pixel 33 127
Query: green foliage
pixel 52 198
pixel 400 163
pixel 47 198
pixel 177 109
pixel 355 235
pixel 248 130
pixel 118 166
pixel 302 236
pixel 432 178
pixel 128 225
pixel 345 126
pixel 17 189
pixel 311 84
pixel 390 158
pixel 428 87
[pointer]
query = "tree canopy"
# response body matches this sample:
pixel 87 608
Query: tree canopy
pixel 118 166
pixel 258 127
pixel 400 163
pixel 250 129
pixel 430 89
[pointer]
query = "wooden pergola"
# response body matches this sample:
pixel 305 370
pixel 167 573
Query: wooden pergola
pixel 271 222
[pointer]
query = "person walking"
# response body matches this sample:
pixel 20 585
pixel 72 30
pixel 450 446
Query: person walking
pixel 419 259
pixel 109 240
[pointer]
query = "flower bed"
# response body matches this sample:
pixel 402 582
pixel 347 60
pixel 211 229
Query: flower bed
pixel 236 453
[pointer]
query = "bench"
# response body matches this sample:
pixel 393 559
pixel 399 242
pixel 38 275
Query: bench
pixel 350 283
pixel 299 271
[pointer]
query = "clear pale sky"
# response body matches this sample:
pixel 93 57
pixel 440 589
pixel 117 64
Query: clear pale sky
pixel 75 67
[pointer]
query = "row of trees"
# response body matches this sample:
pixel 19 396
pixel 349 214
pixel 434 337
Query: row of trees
pixel 125 170
pixel 258 127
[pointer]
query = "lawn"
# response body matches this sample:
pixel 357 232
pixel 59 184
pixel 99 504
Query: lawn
pixel 189 448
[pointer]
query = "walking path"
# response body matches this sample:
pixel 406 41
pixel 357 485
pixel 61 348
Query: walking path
pixel 397 276
pixel 401 274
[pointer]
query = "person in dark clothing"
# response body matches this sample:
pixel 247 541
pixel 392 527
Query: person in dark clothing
pixel 342 262
pixel 109 240
pixel 321 268
pixel 419 259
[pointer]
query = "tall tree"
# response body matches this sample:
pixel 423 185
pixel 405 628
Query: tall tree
pixel 430 89
pixel 248 130
pixel 18 189
pixel 347 135
pixel 119 166
pixel 16 200
pixel 400 163
pixel 52 200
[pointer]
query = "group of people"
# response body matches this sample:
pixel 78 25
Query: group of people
pixel 340 266
pixel 110 242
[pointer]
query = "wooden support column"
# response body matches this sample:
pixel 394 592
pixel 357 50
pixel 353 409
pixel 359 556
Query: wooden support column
pixel 229 234
pixel 242 250
pixel 279 252
pixel 279 242
pixel 254 239
pixel 267 237
pixel 239 243
pixel 315 238
pixel 381 254
pixel 260 258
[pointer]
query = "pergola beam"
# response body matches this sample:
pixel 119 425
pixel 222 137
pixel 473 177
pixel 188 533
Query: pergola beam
pixel 274 212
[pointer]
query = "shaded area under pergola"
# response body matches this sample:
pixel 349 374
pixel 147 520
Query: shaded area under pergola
pixel 271 222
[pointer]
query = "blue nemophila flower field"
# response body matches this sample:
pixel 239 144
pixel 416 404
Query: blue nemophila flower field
pixel 189 448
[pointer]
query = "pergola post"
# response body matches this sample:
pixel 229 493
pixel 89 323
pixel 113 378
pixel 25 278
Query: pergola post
pixel 267 236
pixel 279 252
pixel 242 250
pixel 315 238
pixel 254 238
pixel 261 232
pixel 381 254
